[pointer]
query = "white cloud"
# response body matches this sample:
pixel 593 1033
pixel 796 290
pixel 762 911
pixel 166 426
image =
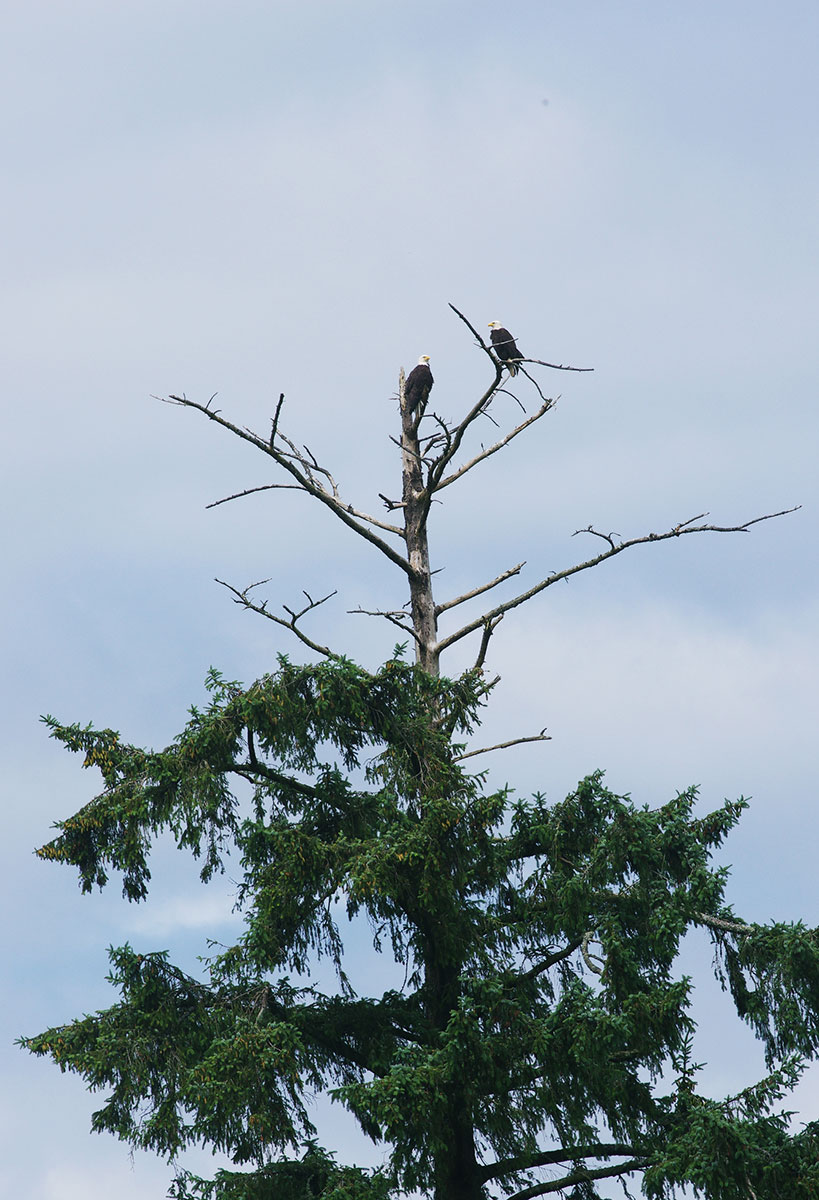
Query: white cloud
pixel 202 910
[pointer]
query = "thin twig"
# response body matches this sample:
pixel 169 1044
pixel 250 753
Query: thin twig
pixel 474 331
pixel 397 618
pixel 275 423
pixel 555 366
pixel 264 487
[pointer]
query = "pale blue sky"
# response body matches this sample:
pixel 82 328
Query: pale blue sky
pixel 250 198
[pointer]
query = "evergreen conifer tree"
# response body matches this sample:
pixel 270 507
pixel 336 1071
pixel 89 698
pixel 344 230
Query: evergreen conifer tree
pixel 542 1040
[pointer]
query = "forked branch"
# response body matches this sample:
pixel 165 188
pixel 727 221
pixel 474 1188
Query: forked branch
pixel 240 596
pixel 504 441
pixel 487 350
pixel 304 468
pixel 398 618
pixel 545 1158
pixel 580 1175
pixel 456 436
pixel 614 548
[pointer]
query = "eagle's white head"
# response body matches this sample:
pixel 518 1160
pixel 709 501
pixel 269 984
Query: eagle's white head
pixel 423 360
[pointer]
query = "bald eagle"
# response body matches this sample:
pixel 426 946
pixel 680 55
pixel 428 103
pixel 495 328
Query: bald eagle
pixel 505 348
pixel 419 384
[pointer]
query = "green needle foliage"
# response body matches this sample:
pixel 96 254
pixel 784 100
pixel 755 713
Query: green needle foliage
pixel 542 1039
pixel 505 1039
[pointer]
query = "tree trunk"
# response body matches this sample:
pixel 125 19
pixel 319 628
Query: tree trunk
pixel 456 1167
pixel 416 509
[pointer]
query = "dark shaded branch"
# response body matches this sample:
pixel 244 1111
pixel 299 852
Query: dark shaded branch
pixel 264 487
pixel 488 629
pixel 275 423
pixel 553 960
pixel 534 384
pixel 255 770
pixel 539 362
pixel 241 597
pixel 527 1162
pixel 456 436
pixel 302 473
pixel 581 1175
pixel 614 548
pixel 475 334
pixel 537 737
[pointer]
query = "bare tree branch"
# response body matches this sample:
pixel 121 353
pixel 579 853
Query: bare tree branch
pixel 391 505
pixel 555 366
pixel 539 362
pixel 264 487
pixel 456 435
pixel 241 597
pixel 440 463
pixel 303 476
pixel 537 386
pixel 614 548
pixel 488 629
pixel 504 441
pixel 476 335
pixel 537 737
pixel 484 587
pixel 275 423
pixel 297 487
pixel 397 618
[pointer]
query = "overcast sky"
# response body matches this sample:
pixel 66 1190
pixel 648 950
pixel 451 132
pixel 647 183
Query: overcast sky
pixel 251 198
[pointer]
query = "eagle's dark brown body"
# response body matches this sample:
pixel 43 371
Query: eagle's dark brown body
pixel 504 346
pixel 419 384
